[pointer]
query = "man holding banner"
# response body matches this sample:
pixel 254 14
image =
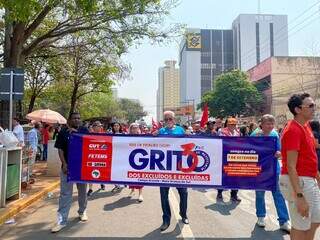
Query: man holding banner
pixel 171 129
pixel 267 129
pixel 66 188
pixel 300 178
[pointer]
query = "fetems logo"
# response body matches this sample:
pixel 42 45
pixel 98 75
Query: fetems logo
pixel 140 159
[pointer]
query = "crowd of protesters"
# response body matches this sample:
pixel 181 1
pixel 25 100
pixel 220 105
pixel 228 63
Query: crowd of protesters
pixel 298 150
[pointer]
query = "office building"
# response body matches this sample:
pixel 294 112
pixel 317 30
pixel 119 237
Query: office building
pixel 204 54
pixel 257 37
pixel 280 77
pixel 168 93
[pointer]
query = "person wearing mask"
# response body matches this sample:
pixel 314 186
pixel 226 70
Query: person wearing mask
pixel 18 131
pixel 66 188
pixel 135 130
pixel 230 130
pixel 32 139
pixel 97 127
pixel 267 129
pixel 300 179
pixel 171 129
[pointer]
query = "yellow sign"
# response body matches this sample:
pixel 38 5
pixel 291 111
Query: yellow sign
pixel 194 40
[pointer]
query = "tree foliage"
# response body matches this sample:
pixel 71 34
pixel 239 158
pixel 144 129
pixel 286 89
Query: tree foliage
pixel 32 25
pixel 233 94
pixel 133 109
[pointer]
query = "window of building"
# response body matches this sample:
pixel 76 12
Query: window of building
pixel 258 42
pixel 271 40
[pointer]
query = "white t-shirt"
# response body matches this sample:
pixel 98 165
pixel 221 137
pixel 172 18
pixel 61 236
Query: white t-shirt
pixel 18 131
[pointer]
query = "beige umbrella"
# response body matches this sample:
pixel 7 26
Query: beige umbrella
pixel 47 116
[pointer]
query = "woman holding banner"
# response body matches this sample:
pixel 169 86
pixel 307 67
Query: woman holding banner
pixel 267 129
pixel 134 129
pixel 117 129
pixel 230 130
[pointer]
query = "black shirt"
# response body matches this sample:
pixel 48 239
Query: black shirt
pixel 317 136
pixel 63 140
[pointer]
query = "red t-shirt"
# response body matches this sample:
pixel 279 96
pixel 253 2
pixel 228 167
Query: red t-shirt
pixel 299 138
pixel 45 136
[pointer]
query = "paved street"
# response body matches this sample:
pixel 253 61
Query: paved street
pixel 115 216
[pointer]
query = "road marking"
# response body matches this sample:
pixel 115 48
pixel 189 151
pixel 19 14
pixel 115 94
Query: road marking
pixel 186 231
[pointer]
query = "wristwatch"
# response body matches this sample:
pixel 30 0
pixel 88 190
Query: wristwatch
pixel 300 195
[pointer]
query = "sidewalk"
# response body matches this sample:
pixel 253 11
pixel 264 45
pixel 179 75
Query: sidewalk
pixel 42 186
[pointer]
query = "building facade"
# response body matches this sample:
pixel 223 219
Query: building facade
pixel 280 77
pixel 257 37
pixel 168 93
pixel 204 54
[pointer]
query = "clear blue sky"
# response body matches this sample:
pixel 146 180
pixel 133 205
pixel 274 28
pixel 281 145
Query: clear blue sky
pixel 145 59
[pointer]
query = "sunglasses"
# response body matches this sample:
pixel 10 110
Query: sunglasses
pixel 168 119
pixel 312 105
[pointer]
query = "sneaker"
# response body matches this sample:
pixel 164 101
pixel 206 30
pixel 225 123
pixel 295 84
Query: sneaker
pixel 83 217
pixel 140 199
pixel 102 187
pixel 89 193
pixel 185 220
pixel 57 228
pixel 164 226
pixel 219 198
pixel 286 227
pixel 261 222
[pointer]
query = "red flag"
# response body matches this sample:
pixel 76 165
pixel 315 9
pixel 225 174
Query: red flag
pixel 155 125
pixel 205 115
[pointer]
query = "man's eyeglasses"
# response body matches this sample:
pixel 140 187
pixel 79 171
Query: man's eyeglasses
pixel 168 119
pixel 311 105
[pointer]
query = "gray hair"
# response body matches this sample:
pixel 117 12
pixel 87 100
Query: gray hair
pixel 268 118
pixel 169 113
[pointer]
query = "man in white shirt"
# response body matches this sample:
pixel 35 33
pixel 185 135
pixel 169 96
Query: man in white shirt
pixel 18 131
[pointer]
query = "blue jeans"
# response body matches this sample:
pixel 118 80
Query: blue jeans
pixel 279 202
pixel 45 152
pixel 65 199
pixel 164 194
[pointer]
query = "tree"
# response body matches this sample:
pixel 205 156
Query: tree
pixel 233 94
pixel 100 105
pixel 38 76
pixel 89 67
pixel 35 25
pixel 31 25
pixel 133 109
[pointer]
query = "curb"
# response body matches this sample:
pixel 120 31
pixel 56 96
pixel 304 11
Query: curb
pixel 23 203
